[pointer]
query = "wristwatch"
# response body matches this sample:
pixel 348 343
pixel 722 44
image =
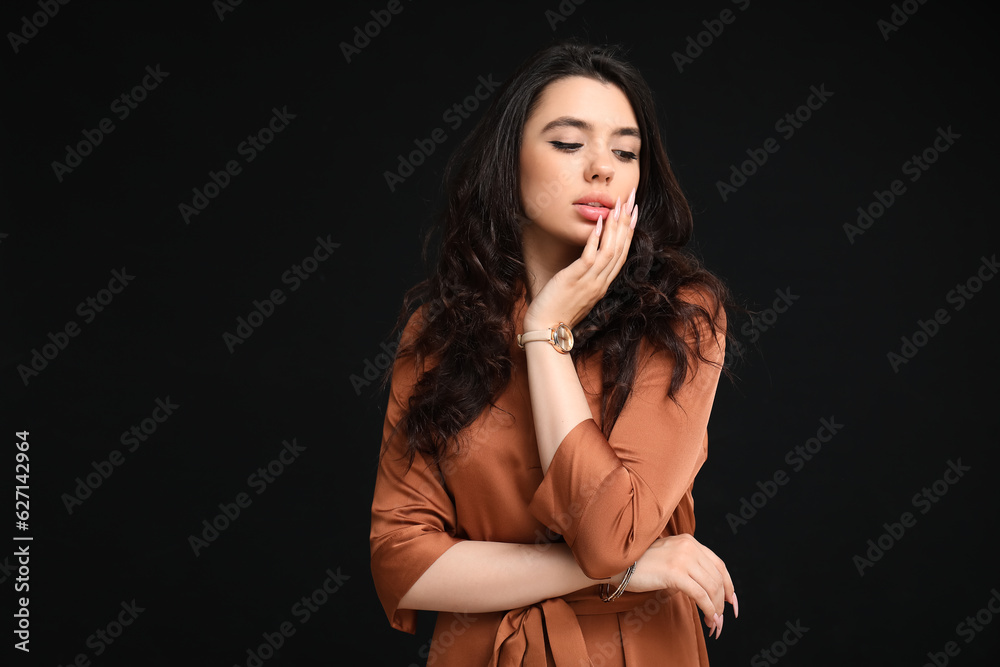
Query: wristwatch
pixel 561 337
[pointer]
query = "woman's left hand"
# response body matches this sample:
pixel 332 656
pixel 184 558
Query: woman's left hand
pixel 573 292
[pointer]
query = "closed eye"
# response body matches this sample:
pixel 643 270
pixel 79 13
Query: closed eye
pixel 623 155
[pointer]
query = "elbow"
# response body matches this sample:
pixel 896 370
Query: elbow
pixel 608 550
pixel 599 560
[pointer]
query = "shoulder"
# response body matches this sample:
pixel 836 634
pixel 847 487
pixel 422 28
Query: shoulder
pixel 416 323
pixel 409 364
pixel 705 301
pixel 699 324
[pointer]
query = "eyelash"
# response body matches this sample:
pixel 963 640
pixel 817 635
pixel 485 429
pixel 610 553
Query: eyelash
pixel 624 156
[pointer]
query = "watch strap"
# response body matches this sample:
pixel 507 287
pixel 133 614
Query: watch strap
pixel 559 336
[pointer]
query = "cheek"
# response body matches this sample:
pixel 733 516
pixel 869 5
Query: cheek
pixel 533 196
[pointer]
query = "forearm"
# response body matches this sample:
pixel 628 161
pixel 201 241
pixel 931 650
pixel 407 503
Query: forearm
pixel 557 400
pixel 475 576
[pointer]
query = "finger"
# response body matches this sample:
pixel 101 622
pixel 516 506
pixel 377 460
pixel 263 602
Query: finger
pixel 623 240
pixel 710 580
pixel 727 581
pixel 694 590
pixel 605 251
pixel 720 566
pixel 593 241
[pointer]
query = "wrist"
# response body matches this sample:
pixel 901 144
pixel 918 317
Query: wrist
pixel 559 336
pixel 612 590
pixel 535 324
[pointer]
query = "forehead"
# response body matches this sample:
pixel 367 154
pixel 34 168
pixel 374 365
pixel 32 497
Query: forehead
pixel 601 104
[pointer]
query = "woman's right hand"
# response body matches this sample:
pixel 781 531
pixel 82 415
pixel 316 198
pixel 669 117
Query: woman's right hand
pixel 680 563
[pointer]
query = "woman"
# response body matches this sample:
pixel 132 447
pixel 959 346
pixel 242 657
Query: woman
pixel 536 489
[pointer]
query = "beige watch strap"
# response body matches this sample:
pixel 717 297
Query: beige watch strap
pixel 560 336
pixel 531 336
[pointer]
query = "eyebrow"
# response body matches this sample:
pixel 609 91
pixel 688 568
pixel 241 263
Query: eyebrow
pixel 570 121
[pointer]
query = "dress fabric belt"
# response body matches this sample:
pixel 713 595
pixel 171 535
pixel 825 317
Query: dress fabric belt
pixel 523 633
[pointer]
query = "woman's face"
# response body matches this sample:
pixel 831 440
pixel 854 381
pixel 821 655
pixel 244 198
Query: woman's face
pixel 579 154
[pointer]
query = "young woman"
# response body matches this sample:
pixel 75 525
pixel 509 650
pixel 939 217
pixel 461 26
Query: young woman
pixel 550 396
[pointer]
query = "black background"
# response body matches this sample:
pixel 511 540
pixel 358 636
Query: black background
pixel 323 176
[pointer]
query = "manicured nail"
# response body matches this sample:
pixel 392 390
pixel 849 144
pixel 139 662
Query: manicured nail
pixel 631 201
pixel 618 208
pixel 719 619
pixel 736 605
pixel 600 220
pixel 635 216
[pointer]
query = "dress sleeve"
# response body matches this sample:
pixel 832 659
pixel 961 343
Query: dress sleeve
pixel 612 497
pixel 413 518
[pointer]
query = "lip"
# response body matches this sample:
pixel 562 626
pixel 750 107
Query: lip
pixel 592 213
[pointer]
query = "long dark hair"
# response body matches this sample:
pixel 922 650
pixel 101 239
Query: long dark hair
pixel 468 301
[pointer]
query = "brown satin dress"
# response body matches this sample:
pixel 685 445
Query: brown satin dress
pixel 608 498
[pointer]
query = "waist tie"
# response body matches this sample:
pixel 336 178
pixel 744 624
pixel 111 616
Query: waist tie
pixel 524 633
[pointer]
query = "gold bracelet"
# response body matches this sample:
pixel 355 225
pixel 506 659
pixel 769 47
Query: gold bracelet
pixel 621 587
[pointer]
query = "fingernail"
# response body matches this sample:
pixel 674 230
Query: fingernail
pixel 600 220
pixel 631 201
pixel 718 620
pixel 736 605
pixel 618 208
pixel 635 216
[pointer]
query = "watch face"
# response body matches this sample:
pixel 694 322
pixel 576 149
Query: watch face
pixel 562 337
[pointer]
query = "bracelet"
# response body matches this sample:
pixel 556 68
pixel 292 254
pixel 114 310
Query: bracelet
pixel 621 587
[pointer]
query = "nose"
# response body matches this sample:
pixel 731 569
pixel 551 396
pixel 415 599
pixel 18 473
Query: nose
pixel 601 168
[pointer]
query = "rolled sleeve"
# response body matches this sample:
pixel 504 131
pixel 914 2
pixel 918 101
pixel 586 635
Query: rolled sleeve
pixel 612 497
pixel 413 518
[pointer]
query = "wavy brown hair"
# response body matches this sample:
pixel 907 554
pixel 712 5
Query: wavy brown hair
pixel 480 274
